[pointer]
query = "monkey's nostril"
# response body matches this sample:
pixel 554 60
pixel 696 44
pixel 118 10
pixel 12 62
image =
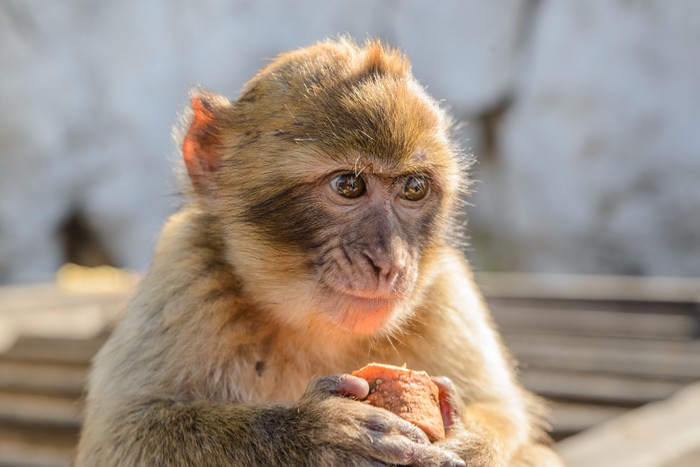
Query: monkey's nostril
pixel 377 266
pixel 384 268
pixel 391 275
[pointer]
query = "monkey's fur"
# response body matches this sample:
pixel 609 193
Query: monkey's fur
pixel 277 279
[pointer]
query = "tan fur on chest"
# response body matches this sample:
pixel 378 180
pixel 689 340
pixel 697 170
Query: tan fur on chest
pixel 273 364
pixel 272 374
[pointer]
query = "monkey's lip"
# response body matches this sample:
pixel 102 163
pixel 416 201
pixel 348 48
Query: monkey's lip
pixel 369 294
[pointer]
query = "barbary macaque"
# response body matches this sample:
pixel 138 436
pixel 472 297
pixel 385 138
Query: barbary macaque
pixel 320 234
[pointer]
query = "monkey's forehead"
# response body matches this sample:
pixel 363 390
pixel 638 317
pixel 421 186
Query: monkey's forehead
pixel 381 133
pixel 342 98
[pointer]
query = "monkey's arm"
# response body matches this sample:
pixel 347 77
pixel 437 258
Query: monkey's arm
pixel 321 429
pixel 167 432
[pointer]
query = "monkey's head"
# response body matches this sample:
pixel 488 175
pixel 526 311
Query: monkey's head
pixel 332 182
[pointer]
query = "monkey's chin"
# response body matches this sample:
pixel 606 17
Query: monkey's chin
pixel 360 315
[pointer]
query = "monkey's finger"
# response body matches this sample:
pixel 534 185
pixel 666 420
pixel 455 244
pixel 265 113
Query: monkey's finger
pixel 395 449
pixel 339 385
pixel 450 402
pixel 387 423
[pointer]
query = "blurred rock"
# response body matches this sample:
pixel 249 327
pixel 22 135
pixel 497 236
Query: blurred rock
pixel 79 135
pixel 600 157
pixel 466 52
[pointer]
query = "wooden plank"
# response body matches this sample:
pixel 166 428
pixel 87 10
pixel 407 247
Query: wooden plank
pixel 35 446
pixel 19 299
pixel 606 343
pixel 55 350
pixel 673 360
pixel 74 286
pixel 14 454
pixel 82 321
pixel 632 307
pixel 39 409
pixel 652 436
pixel 38 378
pixel 568 418
pixel 80 304
pixel 686 459
pixel 590 287
pixel 595 323
pixel 594 387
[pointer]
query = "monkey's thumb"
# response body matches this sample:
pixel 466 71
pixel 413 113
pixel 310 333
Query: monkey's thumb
pixel 339 385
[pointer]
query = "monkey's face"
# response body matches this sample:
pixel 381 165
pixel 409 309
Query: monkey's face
pixel 364 259
pixel 334 180
pixel 370 267
pixel 347 243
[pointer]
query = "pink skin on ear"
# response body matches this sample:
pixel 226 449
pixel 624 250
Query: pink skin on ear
pixel 199 149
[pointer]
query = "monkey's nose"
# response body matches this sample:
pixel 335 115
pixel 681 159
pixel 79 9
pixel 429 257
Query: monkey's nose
pixel 386 269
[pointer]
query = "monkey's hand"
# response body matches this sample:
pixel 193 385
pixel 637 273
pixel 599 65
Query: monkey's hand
pixel 468 441
pixel 345 431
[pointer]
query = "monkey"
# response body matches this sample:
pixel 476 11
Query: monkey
pixel 320 232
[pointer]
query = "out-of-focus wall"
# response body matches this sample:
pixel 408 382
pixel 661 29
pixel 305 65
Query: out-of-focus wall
pixel 599 154
pixel 582 114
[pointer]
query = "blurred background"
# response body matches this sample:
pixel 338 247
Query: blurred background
pixel 582 115
pixel 584 224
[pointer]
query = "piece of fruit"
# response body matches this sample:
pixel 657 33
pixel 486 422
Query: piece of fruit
pixel 411 395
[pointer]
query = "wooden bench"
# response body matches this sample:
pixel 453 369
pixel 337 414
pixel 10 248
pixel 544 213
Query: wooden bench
pixel 660 434
pixel 596 348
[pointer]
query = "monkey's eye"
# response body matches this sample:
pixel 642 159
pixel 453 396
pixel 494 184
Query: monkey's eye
pixel 349 185
pixel 415 188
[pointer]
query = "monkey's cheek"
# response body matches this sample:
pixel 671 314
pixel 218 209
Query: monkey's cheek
pixel 363 315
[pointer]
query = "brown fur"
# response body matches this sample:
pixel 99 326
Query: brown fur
pixel 211 362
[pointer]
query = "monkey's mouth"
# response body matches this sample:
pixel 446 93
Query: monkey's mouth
pixel 369 294
pixel 362 312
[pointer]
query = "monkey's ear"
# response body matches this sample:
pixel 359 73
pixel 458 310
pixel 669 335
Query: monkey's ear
pixel 202 147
